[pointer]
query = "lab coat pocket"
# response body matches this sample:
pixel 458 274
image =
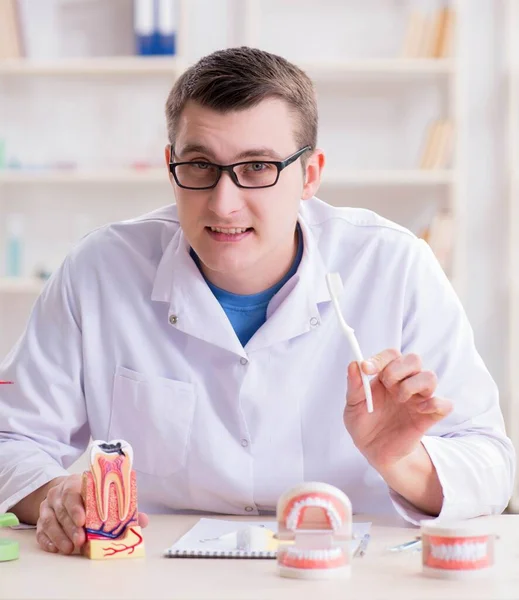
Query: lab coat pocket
pixel 154 415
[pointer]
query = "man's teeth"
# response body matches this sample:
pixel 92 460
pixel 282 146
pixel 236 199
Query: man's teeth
pixel 331 511
pixel 231 230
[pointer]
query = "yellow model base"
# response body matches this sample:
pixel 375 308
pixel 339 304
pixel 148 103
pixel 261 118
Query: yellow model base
pixel 131 545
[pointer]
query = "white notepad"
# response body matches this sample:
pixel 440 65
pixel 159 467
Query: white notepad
pixel 218 538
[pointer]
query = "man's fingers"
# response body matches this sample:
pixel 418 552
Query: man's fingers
pixel 379 362
pixel 74 533
pixel 48 524
pixel 355 392
pixel 423 384
pixel 73 501
pixel 399 369
pixel 142 519
pixel 45 543
pixel 436 408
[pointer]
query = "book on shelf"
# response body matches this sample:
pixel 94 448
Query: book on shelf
pixel 155 26
pixel 10 38
pixel 440 235
pixel 429 35
pixel 438 145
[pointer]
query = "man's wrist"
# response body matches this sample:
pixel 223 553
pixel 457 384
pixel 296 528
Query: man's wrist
pixel 28 509
pixel 414 477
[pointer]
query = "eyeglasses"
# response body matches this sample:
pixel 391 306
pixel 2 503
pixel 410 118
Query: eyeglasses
pixel 254 174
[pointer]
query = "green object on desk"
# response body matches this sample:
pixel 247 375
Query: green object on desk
pixel 9 549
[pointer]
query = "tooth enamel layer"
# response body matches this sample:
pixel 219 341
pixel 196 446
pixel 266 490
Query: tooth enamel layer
pixel 316 555
pixel 112 468
pixel 465 552
pixel 231 231
pixel 297 512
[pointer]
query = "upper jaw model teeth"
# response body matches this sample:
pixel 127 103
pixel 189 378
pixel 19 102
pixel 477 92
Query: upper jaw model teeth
pixel 112 462
pixel 331 511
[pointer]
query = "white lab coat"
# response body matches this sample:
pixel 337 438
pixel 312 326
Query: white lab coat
pixel 127 341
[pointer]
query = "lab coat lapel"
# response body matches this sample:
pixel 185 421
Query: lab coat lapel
pixel 193 308
pixel 294 310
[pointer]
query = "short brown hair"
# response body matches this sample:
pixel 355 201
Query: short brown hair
pixel 240 78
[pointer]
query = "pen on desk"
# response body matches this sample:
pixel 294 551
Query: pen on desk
pixel 415 544
pixel 6 382
pixel 363 546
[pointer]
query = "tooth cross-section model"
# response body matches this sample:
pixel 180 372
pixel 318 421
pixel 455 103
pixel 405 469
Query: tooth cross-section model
pixel 109 492
pixel 317 518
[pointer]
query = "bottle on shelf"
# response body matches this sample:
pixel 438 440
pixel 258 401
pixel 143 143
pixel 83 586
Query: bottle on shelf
pixel 14 224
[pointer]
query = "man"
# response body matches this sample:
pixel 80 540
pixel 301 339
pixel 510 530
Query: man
pixel 204 335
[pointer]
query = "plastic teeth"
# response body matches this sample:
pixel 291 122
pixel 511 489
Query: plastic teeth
pixel 331 511
pixel 319 555
pixel 466 552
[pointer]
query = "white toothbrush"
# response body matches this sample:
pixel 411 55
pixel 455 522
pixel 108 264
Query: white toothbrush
pixel 334 283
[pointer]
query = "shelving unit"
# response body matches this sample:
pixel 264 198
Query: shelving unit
pixel 120 65
pixel 134 65
pixel 383 72
pixel 21 285
pixel 147 176
pixel 511 408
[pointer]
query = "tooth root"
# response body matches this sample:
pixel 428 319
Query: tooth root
pixel 97 472
pixel 125 498
pixel 107 469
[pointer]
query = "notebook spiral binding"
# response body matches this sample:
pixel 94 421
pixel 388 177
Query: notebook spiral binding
pixel 219 554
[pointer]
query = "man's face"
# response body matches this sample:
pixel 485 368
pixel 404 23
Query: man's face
pixel 257 258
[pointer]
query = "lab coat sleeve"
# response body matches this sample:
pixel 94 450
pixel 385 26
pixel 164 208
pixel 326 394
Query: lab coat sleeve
pixel 43 419
pixel 473 456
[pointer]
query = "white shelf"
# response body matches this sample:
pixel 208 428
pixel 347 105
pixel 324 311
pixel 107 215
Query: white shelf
pixel 379 68
pixel 137 65
pixel 160 175
pixel 389 177
pixel 20 285
pixel 59 176
pixel 117 65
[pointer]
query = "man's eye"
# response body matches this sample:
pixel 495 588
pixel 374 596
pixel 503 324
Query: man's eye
pixel 201 165
pixel 257 166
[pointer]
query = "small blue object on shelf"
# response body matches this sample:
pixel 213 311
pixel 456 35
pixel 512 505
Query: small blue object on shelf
pixel 166 26
pixel 154 24
pixel 14 242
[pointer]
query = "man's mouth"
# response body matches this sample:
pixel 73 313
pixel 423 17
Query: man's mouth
pixel 228 234
pixel 230 230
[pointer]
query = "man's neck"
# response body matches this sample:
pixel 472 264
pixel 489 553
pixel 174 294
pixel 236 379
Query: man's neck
pixel 247 283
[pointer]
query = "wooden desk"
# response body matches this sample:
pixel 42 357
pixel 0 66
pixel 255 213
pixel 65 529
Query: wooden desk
pixel 379 574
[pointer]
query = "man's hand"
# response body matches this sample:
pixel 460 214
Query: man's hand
pixel 404 407
pixel 60 527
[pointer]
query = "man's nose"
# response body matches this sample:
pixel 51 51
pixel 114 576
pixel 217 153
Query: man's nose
pixel 226 197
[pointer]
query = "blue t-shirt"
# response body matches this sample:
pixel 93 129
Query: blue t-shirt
pixel 247 313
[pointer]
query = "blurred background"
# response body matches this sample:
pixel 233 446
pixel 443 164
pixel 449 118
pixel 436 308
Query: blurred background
pixel 419 119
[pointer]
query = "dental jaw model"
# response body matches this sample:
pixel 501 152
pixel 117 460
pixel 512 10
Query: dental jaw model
pixel 109 492
pixel 317 518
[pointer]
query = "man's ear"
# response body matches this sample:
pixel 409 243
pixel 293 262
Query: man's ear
pixel 313 172
pixel 167 153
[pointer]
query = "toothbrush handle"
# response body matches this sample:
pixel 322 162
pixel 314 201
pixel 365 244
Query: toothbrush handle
pixel 358 356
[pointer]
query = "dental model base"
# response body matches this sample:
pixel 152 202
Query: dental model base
pixel 317 517
pixel 109 492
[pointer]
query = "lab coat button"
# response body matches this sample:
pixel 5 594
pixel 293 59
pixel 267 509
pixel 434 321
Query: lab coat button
pixel 314 322
pixel 244 443
pixel 243 361
pixel 173 319
pixel 249 508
